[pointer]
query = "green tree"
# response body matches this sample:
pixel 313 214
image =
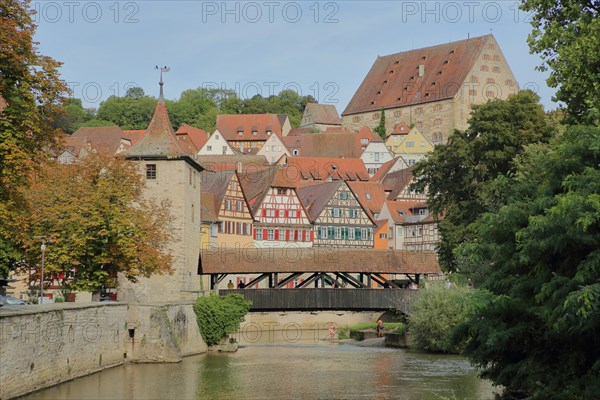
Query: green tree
pixel 566 34
pixel 135 93
pixel 219 316
pixel 96 221
pixel 380 129
pixel 73 116
pixel 437 311
pixel 127 112
pixel 539 334
pixel 31 87
pixel 458 175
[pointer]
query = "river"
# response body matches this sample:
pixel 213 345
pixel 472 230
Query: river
pixel 273 368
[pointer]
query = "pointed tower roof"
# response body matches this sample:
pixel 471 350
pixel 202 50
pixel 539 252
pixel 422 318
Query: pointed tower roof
pixel 159 141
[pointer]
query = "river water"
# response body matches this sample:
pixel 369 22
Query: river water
pixel 273 368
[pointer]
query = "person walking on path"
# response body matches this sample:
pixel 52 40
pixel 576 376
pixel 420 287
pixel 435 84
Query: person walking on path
pixel 379 328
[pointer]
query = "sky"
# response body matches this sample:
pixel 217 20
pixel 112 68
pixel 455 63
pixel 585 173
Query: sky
pixel 323 48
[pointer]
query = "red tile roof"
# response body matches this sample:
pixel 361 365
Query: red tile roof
pixel 327 144
pixel 230 124
pixel 198 137
pixel 401 129
pixel 286 260
pixel 370 195
pixel 397 76
pixel 160 140
pixel 325 114
pixel 248 163
pixel 386 168
pixel 208 209
pixel 315 197
pixel 101 138
pixel 321 168
pixel 134 135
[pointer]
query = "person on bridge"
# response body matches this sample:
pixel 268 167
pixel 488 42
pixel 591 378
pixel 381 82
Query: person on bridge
pixel 331 331
pixel 230 285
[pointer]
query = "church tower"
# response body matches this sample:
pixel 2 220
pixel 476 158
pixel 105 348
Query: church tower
pixel 170 174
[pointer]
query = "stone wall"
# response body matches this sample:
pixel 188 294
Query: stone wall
pixel 44 345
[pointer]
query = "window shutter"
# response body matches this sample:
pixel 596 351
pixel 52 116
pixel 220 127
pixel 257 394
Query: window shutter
pixel 312 236
pixel 255 234
pixel 276 234
pixel 265 234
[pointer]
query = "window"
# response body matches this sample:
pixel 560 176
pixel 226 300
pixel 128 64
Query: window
pixel 344 196
pixel 281 191
pixel 421 143
pixel 336 212
pixel 364 141
pixel 355 119
pixel 509 82
pixel 472 92
pixel 214 230
pixel 358 233
pixel 490 80
pixel 270 212
pixel 295 152
pixel 338 233
pixel 282 234
pixel 419 110
pixel 350 234
pixel 209 148
pixel 376 156
pixel 437 121
pixel 240 133
pixel 486 57
pixel 411 162
pixel 368 196
pixel 239 205
pixel 490 94
pixel 268 133
pixel 150 171
pixel 323 232
pixel 491 46
pixel 496 58
pixel 437 107
pixel 233 186
pixel 496 69
pixel 398 113
pixel 254 133
pixel 227 205
pixel 410 144
pixel 484 68
pixel 259 234
pixel 376 116
pixel 474 79
pixel 382 236
pixel 270 234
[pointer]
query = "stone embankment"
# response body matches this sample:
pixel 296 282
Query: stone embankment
pixel 43 345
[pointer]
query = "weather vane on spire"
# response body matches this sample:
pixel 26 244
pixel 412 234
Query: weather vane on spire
pixel 162 69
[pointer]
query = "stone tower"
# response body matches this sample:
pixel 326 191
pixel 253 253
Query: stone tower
pixel 171 174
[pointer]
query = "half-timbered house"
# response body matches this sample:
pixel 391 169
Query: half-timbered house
pixel 280 219
pixel 235 219
pixel 339 218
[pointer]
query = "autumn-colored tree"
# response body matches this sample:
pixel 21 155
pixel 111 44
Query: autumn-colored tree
pixel 31 89
pixel 97 222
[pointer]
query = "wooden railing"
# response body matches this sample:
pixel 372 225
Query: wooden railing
pixel 327 299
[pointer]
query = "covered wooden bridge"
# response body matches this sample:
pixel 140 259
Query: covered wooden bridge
pixel 329 278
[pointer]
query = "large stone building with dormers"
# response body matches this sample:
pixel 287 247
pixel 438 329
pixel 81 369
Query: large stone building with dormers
pixel 432 88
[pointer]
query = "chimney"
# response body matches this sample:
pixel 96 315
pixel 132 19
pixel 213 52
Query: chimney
pixel 421 70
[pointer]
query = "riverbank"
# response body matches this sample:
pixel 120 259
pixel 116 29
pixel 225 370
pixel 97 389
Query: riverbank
pixel 43 345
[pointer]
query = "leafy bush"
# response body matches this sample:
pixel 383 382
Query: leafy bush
pixel 436 312
pixel 218 316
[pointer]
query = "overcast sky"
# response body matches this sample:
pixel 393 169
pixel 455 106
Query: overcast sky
pixel 324 48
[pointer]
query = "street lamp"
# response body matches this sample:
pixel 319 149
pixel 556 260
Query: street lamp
pixel 43 257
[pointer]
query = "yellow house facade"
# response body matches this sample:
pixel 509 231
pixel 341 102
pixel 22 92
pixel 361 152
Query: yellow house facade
pixel 409 143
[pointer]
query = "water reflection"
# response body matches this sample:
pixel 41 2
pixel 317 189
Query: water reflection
pixel 277 369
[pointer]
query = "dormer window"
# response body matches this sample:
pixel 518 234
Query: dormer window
pixel 240 133
pixel 446 62
pixel 451 51
pixel 268 133
pixel 384 82
pixel 379 92
pixel 424 58
pixel 254 133
pixel 368 196
pixel 391 72
pixel 397 62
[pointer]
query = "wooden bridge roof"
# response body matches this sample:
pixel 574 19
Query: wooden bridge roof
pixel 318 259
